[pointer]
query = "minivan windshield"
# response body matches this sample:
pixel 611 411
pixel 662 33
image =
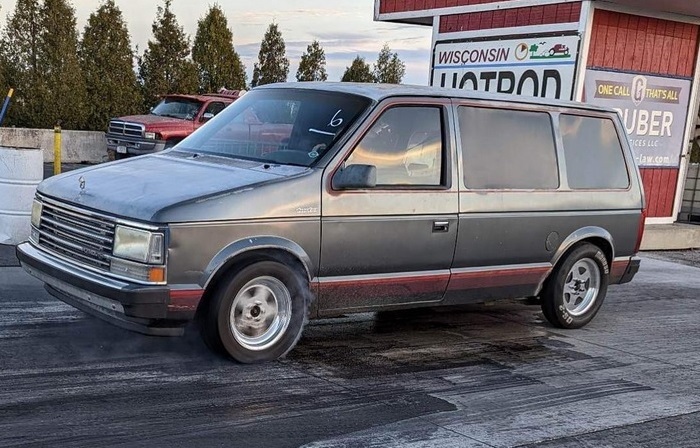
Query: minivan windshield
pixel 278 126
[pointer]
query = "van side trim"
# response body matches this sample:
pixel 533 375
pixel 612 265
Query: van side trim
pixel 460 278
pixel 499 276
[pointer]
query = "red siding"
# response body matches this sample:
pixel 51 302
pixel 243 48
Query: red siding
pixel 660 190
pixel 641 44
pixel 506 18
pixel 656 47
pixel 389 6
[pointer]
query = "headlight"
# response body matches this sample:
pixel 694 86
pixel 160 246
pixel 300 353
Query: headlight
pixel 150 135
pixel 36 213
pixel 138 245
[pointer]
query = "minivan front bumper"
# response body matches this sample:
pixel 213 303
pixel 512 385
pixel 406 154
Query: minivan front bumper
pixel 141 308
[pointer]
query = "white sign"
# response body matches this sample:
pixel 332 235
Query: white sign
pixel 533 66
pixel 654 110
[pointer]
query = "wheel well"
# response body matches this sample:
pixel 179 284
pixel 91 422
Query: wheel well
pixel 601 243
pixel 246 259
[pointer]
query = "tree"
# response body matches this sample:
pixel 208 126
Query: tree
pixel 313 64
pixel 165 66
pixel 107 62
pixel 389 69
pixel 217 61
pixel 20 60
pixel 64 97
pixel 272 65
pixel 359 71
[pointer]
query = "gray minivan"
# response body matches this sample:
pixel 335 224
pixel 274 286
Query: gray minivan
pixel 310 200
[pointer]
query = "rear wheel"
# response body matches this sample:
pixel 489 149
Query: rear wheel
pixel 577 288
pixel 258 313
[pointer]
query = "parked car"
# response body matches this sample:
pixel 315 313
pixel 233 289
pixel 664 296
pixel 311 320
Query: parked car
pixel 170 121
pixel 356 198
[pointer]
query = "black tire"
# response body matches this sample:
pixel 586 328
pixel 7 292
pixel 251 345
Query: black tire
pixel 560 306
pixel 170 143
pixel 215 320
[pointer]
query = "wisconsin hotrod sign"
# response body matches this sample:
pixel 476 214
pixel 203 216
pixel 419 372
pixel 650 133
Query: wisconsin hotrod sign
pixel 532 66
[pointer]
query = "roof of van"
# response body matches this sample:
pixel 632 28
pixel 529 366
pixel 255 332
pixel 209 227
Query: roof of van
pixel 379 92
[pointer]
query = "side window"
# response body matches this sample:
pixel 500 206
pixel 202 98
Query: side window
pixel 215 108
pixel 508 149
pixel 406 146
pixel 594 157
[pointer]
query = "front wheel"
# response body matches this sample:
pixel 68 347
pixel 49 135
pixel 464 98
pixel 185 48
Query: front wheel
pixel 257 314
pixel 577 288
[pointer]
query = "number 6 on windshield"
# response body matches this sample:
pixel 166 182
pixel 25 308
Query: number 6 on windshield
pixel 336 121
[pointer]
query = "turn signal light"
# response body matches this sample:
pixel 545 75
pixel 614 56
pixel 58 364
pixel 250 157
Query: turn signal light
pixel 156 274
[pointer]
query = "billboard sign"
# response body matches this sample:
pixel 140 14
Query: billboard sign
pixel 654 110
pixel 530 66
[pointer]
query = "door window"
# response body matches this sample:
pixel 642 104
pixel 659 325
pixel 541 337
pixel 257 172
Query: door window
pixel 214 108
pixel 406 146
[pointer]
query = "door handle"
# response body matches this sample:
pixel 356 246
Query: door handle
pixel 441 226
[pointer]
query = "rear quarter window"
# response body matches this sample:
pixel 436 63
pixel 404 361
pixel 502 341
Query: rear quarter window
pixel 593 152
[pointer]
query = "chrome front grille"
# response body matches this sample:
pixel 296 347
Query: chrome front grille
pixel 117 127
pixel 75 234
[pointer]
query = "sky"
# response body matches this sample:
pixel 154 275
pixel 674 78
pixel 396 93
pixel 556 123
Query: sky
pixel 345 29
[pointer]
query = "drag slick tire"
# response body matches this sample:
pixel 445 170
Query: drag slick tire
pixel 576 290
pixel 258 313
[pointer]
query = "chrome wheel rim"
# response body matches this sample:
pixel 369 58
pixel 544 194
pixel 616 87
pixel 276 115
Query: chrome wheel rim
pixel 260 313
pixel 581 287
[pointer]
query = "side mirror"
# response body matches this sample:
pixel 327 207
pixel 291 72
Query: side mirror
pixel 207 116
pixel 355 177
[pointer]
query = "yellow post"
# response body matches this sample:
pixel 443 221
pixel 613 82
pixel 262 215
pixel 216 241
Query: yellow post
pixel 57 149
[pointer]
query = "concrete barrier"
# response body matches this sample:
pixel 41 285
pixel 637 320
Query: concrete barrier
pixel 21 170
pixel 78 146
pixel 671 237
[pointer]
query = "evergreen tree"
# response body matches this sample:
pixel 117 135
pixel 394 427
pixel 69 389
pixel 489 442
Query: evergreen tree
pixel 20 60
pixel 272 65
pixel 389 68
pixel 359 71
pixel 217 61
pixel 165 66
pixel 313 64
pixel 107 62
pixel 64 97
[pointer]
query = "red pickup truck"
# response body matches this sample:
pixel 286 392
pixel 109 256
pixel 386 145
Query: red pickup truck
pixel 169 122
